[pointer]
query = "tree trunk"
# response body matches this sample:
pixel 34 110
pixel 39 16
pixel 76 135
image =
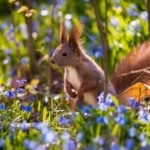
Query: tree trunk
pixel 31 49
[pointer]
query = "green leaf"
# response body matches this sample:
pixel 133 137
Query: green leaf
pixel 115 130
pixel 44 113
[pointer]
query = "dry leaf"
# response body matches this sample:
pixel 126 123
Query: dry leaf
pixel 139 91
pixel 23 9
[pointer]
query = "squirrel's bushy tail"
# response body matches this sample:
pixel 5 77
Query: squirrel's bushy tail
pixel 135 67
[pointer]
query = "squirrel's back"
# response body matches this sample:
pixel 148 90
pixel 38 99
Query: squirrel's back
pixel 133 68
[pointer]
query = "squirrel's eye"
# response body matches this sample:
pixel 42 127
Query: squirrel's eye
pixel 64 54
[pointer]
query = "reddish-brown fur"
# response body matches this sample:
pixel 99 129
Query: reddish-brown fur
pixel 84 79
pixel 132 68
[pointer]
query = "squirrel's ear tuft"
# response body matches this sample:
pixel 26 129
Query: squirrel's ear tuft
pixel 74 38
pixel 62 34
pixel 75 33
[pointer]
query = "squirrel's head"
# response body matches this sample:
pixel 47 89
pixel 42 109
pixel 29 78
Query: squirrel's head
pixel 68 52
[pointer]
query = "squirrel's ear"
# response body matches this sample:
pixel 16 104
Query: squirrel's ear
pixel 62 34
pixel 74 37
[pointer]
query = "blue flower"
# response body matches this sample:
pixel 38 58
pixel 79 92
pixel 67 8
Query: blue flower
pixel 49 137
pixel 79 137
pixel 103 106
pixel 47 39
pixel 145 147
pixel 109 100
pixel 24 61
pixel 22 107
pixel 28 108
pixel 24 126
pixel 86 109
pixel 2 107
pixel 144 116
pixel 121 109
pixel 114 21
pixel 121 120
pixel 114 146
pixel 132 132
pixel 9 94
pixel 11 136
pixel 69 145
pixel 99 52
pixel 8 52
pixel 40 125
pixel 133 103
pixel 31 98
pixel 21 82
pixel 142 136
pixel 63 120
pixel 19 90
pixel 144 15
pixel 65 135
pixel 129 144
pixel 2 143
pixel 31 145
pixel 102 120
pixel 99 141
pixel 132 10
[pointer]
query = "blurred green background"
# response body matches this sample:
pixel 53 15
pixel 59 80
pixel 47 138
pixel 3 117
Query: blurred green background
pixel 29 32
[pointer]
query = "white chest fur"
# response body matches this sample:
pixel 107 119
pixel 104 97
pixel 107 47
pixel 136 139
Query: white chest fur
pixel 73 77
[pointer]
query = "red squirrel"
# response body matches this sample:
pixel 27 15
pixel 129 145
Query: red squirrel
pixel 84 79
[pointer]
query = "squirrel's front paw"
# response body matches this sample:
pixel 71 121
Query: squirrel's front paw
pixel 73 94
